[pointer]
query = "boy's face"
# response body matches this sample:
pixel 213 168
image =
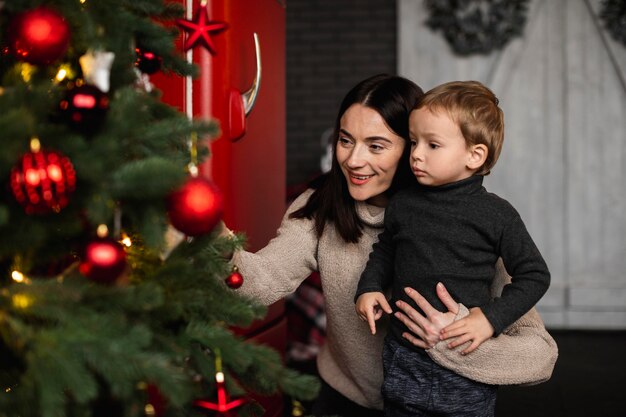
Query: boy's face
pixel 439 153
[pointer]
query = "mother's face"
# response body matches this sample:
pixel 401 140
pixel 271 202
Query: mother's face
pixel 368 153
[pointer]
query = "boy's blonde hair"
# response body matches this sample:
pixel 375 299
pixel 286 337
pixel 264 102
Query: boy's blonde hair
pixel 474 108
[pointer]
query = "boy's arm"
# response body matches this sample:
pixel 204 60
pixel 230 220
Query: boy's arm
pixel 378 272
pixel 530 277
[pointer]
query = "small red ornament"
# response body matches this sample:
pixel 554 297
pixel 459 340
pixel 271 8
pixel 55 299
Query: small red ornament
pixel 85 107
pixel 148 62
pixel 196 207
pixel 200 28
pixel 39 36
pixel 235 279
pixel 104 260
pixel 43 181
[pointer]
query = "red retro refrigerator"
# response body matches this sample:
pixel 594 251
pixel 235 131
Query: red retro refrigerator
pixel 242 86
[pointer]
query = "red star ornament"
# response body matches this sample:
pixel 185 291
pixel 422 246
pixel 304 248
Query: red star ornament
pixel 224 405
pixel 200 29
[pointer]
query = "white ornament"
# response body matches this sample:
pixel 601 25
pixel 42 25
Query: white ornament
pixel 96 66
pixel 143 81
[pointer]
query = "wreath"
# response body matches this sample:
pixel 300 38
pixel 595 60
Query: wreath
pixel 614 15
pixel 479 26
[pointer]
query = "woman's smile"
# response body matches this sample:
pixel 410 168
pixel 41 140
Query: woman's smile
pixel 357 179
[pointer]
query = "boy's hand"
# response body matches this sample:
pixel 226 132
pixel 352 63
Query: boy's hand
pixel 474 327
pixel 370 307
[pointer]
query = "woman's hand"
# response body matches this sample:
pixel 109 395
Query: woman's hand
pixel 428 329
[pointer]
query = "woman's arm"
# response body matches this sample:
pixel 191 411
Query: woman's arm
pixel 288 259
pixel 524 353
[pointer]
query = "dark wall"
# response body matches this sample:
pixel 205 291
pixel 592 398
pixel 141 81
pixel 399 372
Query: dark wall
pixel 331 45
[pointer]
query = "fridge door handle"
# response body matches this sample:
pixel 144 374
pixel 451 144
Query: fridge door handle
pixel 240 104
pixel 249 97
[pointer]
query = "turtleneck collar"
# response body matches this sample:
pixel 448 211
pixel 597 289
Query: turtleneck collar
pixel 370 215
pixel 464 186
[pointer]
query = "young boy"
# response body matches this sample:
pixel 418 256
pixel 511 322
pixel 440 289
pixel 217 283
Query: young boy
pixel 449 229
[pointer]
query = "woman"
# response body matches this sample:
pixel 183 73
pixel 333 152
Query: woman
pixel 331 228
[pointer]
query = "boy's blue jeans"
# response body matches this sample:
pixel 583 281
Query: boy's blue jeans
pixel 414 385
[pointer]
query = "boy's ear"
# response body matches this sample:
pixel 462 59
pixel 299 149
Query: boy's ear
pixel 478 156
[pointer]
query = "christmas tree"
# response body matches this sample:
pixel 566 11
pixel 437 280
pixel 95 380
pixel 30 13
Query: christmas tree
pixel 98 314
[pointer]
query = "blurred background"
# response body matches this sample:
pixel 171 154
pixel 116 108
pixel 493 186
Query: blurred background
pixel 558 68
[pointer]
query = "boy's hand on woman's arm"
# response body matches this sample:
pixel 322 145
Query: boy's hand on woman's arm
pixel 370 307
pixel 474 328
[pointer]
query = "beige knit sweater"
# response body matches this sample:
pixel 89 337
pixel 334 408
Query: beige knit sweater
pixel 350 360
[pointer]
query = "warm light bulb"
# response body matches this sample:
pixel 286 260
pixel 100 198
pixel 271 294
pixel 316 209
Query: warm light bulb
pixel 149 410
pixel 193 170
pixel 21 301
pixel 102 230
pixel 35 144
pixel 61 74
pixel 27 71
pixel 126 241
pixel 17 276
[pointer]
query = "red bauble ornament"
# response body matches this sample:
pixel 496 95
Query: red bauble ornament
pixel 196 207
pixel 235 279
pixel 39 36
pixel 148 62
pixel 85 107
pixel 199 29
pixel 104 260
pixel 43 181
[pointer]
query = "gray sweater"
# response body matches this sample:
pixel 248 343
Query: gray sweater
pixel 454 234
pixel 350 360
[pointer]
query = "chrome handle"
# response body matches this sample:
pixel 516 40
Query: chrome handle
pixel 249 97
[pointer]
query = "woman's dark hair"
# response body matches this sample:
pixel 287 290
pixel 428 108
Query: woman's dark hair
pixel 393 97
